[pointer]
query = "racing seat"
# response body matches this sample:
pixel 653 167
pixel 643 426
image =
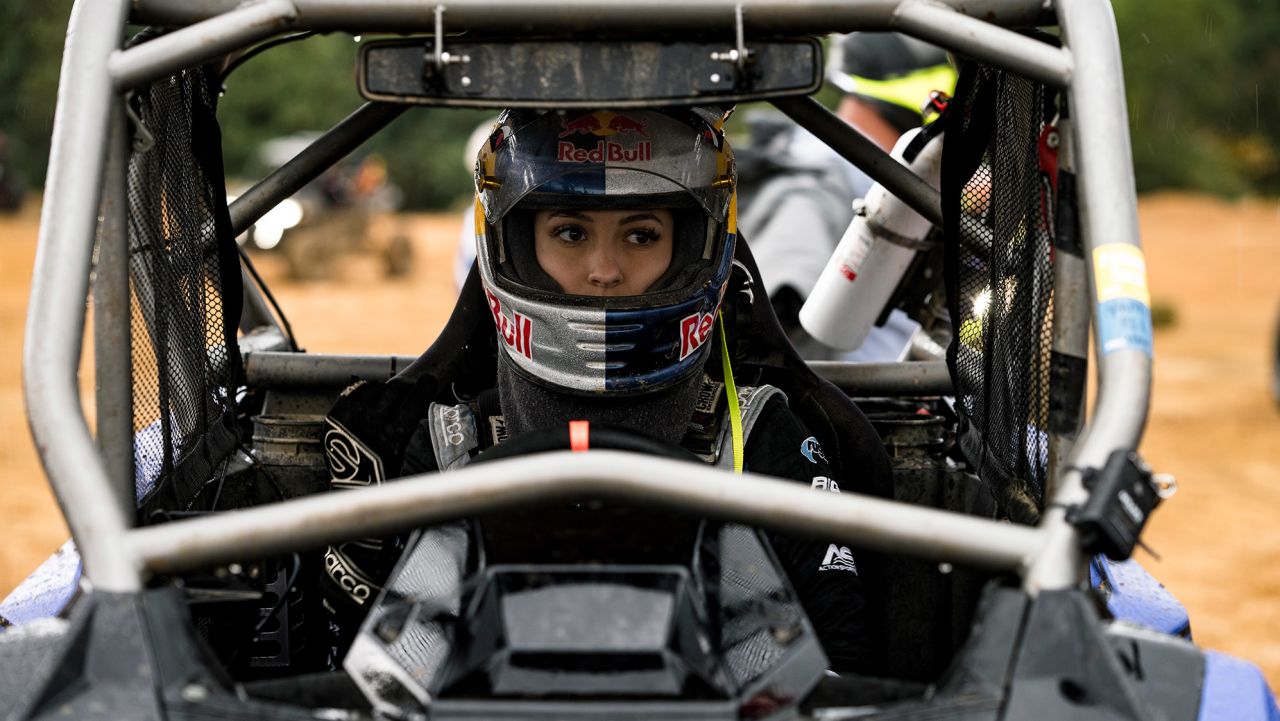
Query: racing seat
pixel 760 354
pixel 463 362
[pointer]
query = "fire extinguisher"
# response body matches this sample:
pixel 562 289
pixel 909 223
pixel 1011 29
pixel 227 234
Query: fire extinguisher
pixel 874 253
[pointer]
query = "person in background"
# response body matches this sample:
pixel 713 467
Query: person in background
pixel 797 193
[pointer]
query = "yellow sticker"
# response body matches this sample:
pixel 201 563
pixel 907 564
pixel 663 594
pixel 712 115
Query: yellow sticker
pixel 1121 272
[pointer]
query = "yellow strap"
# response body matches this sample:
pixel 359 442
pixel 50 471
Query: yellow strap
pixel 735 413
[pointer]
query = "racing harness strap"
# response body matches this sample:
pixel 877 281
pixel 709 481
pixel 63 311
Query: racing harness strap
pixel 455 435
pixel 735 413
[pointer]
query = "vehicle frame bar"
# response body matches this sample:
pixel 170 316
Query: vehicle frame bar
pixel 521 16
pixel 276 369
pixel 515 483
pixel 95 69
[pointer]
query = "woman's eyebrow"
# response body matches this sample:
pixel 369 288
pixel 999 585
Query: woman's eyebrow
pixel 568 214
pixel 639 217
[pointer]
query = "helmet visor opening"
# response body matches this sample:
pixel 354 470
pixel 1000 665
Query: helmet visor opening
pixel 693 252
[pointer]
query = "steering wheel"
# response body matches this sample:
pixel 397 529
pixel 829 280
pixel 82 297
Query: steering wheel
pixel 602 436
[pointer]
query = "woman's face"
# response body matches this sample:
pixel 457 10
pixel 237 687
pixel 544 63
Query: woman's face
pixel 604 252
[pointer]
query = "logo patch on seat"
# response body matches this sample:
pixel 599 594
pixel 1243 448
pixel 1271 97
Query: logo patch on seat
pixel 811 450
pixel 838 558
pixel 822 483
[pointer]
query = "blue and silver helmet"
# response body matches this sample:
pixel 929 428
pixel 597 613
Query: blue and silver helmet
pixel 675 159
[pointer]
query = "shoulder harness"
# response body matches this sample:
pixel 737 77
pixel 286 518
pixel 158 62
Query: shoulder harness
pixel 456 437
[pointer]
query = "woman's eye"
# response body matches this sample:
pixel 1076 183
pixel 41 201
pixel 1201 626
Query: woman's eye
pixel 643 236
pixel 570 233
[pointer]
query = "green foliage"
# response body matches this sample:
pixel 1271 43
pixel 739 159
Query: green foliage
pixel 30 60
pixel 1203 81
pixel 1204 100
pixel 268 97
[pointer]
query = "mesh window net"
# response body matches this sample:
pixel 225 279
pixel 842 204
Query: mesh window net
pixel 998 203
pixel 186 293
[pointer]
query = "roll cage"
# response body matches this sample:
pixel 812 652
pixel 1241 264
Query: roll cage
pixel 93 477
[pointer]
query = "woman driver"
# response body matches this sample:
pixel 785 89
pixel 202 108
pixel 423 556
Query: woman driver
pixel 605 244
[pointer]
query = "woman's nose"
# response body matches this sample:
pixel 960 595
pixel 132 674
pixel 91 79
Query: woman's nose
pixel 604 272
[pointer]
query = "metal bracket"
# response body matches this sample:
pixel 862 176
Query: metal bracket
pixel 434 67
pixel 739 55
pixel 143 140
pixel 443 58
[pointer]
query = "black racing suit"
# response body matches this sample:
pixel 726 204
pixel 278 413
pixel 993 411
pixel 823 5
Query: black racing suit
pixel 389 421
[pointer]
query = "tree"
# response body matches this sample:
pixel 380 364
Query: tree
pixel 1201 82
pixel 30 61
pixel 308 86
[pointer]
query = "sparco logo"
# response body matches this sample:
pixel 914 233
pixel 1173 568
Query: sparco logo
pixel 517 332
pixel 838 558
pixel 351 463
pixel 694 331
pixel 348 579
pixel 451 427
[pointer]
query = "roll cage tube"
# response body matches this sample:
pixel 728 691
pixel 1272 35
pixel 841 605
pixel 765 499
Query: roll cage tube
pixel 95 69
pixel 524 16
pixel 651 481
pixel 1109 229
pixel 59 286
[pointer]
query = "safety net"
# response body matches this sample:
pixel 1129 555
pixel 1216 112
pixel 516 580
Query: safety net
pixel 185 292
pixel 999 199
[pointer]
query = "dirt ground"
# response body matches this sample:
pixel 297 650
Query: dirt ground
pixel 1213 422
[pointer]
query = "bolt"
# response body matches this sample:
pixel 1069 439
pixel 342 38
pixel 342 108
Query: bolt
pixel 715 77
pixel 466 81
pixel 1052 140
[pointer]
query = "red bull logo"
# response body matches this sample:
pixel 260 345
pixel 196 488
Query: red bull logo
pixel 602 123
pixel 714 137
pixel 623 124
pixel 606 151
pixel 694 332
pixel 586 125
pixel 517 332
pixel 498 137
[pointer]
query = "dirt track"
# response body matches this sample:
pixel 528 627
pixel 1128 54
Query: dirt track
pixel 1213 423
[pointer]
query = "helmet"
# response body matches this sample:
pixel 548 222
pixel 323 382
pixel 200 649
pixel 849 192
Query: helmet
pixel 587 345
pixel 893 72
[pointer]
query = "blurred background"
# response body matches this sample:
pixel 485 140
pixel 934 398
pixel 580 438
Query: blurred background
pixel 1203 85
